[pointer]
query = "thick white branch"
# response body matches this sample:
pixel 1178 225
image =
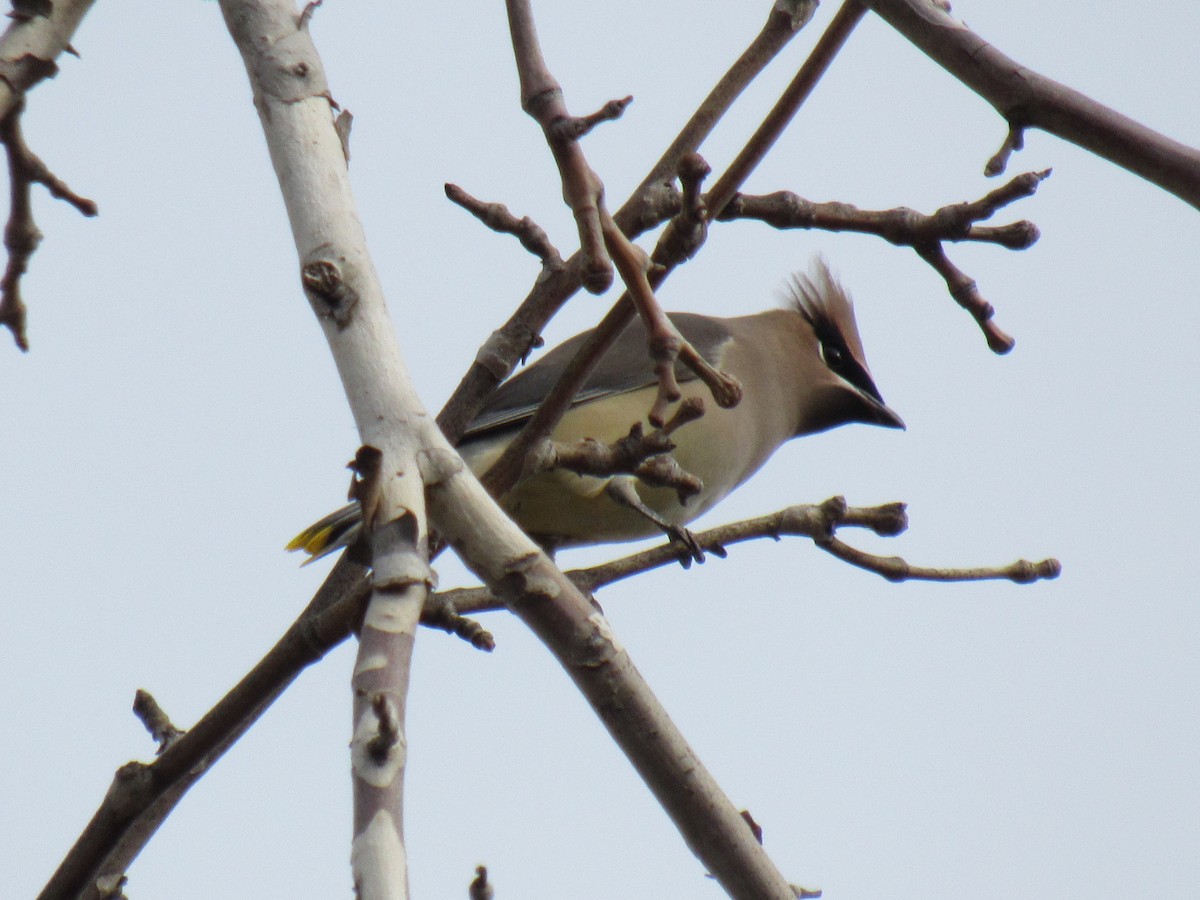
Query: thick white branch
pixel 32 43
pixel 292 98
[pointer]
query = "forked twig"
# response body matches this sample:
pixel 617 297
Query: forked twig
pixel 819 522
pixel 924 233
pixel 21 234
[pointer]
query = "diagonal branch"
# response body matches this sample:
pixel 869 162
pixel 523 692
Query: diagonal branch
pixel 1027 99
pixel 602 241
pixel 840 27
pixel 143 795
pixel 542 98
pixel 297 116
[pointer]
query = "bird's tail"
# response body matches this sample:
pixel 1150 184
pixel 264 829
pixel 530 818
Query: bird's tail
pixel 335 531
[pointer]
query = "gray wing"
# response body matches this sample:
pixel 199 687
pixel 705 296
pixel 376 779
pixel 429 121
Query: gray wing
pixel 626 367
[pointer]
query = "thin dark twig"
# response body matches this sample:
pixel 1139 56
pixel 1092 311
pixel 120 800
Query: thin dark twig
pixel 497 217
pixel 831 41
pixel 924 233
pixel 816 521
pixel 21 234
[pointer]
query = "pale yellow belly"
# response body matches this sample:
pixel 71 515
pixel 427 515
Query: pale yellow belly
pixel 564 508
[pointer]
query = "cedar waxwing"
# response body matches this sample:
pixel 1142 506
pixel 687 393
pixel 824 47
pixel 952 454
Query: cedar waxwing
pixel 802 370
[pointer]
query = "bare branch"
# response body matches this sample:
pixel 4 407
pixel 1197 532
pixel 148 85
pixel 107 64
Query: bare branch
pixel 966 294
pixel 818 522
pixel 1013 141
pixel 1028 100
pixel 652 202
pixel 497 217
pixel 573 128
pixel 28 50
pixel 893 568
pixel 924 234
pixel 831 41
pixel 21 235
pixel 901 225
pixel 440 614
pixel 541 97
pixel 142 796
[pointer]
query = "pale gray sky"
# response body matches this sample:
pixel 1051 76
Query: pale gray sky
pixel 179 418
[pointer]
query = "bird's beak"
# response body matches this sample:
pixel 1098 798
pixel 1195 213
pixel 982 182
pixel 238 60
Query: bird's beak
pixel 879 413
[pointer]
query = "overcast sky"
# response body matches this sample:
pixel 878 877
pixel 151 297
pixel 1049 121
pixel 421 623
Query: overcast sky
pixel 178 419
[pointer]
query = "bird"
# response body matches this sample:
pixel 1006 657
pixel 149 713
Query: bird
pixel 802 369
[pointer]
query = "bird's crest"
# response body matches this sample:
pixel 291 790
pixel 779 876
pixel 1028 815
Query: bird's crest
pixel 820 298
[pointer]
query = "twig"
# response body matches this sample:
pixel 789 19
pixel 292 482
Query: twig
pixel 966 294
pixel 1027 99
pixel 1013 141
pixel 481 888
pixel 497 217
pixel 906 227
pixel 573 128
pixel 441 614
pixel 643 455
pixel 21 234
pixel 542 98
pixel 901 226
pixel 665 343
pixel 819 522
pixel 157 722
pixel 893 568
pixel 142 796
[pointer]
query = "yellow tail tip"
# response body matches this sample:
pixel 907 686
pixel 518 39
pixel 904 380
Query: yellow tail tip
pixel 311 540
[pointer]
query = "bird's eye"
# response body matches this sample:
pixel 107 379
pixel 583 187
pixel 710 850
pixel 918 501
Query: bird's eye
pixel 833 356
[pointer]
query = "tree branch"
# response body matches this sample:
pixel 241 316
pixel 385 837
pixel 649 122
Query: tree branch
pixel 817 521
pixel 143 795
pixel 925 234
pixel 128 818
pixel 32 43
pixel 679 242
pixel 297 116
pixel 652 202
pixel 28 51
pixel 1028 100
